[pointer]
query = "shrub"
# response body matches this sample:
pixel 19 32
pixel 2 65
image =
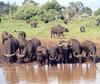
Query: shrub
pixel 26 10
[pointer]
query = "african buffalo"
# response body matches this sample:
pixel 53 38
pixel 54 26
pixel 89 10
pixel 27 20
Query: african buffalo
pixel 21 33
pixel 69 50
pixel 82 29
pixel 22 43
pixel 53 56
pixel 45 20
pixel 0 20
pixel 22 40
pixel 42 55
pixel 58 30
pixel 98 22
pixel 62 50
pixel 74 48
pixel 11 45
pixel 29 50
pixel 89 49
pixel 33 24
pixel 5 36
pixel 65 21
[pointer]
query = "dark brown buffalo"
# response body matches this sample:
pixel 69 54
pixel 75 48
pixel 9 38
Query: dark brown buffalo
pixel 42 55
pixel 5 36
pixel 69 50
pixel 65 21
pixel 53 56
pixel 82 29
pixel 58 30
pixel 22 43
pixel 30 49
pixel 89 49
pixel 11 45
pixel 22 40
pixel 21 33
pixel 98 22
pixel 0 20
pixel 33 24
pixel 62 49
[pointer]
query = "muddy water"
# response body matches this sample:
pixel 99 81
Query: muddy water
pixel 62 74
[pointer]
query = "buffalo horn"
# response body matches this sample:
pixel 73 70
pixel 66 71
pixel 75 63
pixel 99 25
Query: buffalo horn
pixel 91 54
pixel 74 54
pixel 70 43
pixel 39 49
pixel 50 57
pixel 9 55
pixel 20 55
pixel 59 44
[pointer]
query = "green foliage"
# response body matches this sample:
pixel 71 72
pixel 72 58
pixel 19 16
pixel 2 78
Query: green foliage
pixel 97 12
pixel 51 10
pixel 77 8
pixel 52 5
pixel 7 9
pixel 4 8
pixel 36 18
pixel 74 8
pixel 86 10
pixel 13 8
pixel 30 1
pixel 50 14
pixel 31 10
pixel 27 10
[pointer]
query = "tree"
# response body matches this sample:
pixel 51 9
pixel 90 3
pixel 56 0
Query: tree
pixel 52 5
pixel 52 9
pixel 76 6
pixel 7 8
pixel 73 9
pixel 3 8
pixel 27 10
pixel 97 12
pixel 13 9
pixel 86 10
pixel 29 1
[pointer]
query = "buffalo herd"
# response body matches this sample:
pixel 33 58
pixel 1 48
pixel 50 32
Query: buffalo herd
pixel 21 50
pixel 57 30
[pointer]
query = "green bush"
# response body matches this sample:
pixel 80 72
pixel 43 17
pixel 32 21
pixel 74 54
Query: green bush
pixel 51 14
pixel 27 10
pixel 97 12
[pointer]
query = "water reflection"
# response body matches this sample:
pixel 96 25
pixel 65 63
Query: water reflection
pixel 11 75
pixel 62 74
pixel 89 72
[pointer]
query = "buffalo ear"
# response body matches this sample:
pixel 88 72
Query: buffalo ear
pixel 70 44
